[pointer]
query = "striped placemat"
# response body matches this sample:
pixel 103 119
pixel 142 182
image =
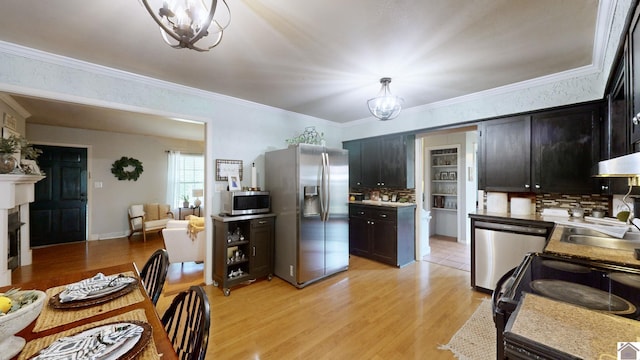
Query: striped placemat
pixel 50 317
pixel 150 352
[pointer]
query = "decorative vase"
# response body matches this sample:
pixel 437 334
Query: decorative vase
pixel 185 204
pixel 7 163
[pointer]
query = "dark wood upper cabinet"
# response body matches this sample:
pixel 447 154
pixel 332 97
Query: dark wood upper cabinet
pixel 504 154
pixel 355 167
pixel 565 149
pixel 615 136
pixel 370 162
pixel 546 152
pixel 382 162
pixel 633 49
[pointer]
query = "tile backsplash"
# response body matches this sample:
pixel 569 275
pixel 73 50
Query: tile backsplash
pixel 587 202
pixel 408 194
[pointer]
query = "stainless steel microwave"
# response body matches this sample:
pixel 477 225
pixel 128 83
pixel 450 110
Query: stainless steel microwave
pixel 246 202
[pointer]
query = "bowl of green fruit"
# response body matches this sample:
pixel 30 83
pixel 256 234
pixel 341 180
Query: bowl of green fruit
pixel 18 308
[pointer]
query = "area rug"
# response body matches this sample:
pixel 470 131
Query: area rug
pixel 476 339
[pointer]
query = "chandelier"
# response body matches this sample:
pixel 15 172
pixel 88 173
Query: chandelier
pixel 185 22
pixel 385 106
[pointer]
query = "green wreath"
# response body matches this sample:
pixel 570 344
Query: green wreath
pixel 119 166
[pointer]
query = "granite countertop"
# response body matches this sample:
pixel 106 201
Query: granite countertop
pixel 571 329
pixel 382 203
pixel 625 257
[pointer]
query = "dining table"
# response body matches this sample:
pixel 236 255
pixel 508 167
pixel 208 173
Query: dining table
pixel 54 322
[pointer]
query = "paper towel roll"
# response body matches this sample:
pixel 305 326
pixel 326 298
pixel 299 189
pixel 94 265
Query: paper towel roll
pixel 254 177
pixel 497 202
pixel 520 206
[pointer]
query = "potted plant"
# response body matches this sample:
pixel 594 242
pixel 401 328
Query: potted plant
pixel 185 201
pixel 8 147
pixel 27 151
pixel 28 157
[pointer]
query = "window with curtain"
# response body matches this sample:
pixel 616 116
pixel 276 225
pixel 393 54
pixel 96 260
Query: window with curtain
pixel 185 174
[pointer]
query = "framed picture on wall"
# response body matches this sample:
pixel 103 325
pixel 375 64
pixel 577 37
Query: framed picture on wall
pixel 234 182
pixel 224 168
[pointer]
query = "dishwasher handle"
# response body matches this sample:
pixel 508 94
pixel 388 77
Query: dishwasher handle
pixel 524 229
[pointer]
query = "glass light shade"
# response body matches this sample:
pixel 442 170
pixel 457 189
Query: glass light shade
pixel 184 22
pixel 385 106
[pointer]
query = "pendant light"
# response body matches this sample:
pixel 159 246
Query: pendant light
pixel 385 106
pixel 185 22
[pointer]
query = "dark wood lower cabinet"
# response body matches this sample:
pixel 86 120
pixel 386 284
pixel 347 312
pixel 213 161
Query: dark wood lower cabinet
pixel 382 233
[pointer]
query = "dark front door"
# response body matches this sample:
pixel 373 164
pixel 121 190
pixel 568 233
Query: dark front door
pixel 59 212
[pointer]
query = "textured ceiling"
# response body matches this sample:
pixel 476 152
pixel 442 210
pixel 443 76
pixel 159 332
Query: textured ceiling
pixel 322 58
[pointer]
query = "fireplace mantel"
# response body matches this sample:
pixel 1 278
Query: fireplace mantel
pixel 15 190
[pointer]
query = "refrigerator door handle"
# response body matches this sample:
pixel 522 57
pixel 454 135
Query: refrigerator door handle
pixel 326 187
pixel 323 188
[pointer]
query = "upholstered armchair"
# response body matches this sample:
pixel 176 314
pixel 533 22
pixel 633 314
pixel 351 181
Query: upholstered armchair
pixel 148 217
pixel 184 243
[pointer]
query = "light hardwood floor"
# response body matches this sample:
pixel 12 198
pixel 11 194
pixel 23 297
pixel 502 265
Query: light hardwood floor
pixel 371 311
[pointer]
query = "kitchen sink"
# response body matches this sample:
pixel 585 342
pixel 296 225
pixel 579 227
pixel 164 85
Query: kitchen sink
pixel 586 236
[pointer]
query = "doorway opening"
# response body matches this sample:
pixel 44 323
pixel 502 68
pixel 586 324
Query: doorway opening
pixel 449 193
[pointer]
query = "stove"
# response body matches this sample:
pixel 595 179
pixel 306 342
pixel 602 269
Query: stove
pixel 598 286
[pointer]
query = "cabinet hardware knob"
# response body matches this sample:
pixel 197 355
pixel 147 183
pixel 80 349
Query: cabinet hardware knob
pixel 635 120
pixel 383 215
pixel 605 187
pixel 526 186
pixel 254 251
pixel 537 186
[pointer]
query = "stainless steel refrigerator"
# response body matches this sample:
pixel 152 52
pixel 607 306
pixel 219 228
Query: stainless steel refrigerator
pixel 309 187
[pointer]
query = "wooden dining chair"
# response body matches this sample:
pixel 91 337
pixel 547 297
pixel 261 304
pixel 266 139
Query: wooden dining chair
pixel 187 323
pixel 154 273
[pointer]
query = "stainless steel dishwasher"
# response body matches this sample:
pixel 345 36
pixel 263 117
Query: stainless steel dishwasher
pixel 498 248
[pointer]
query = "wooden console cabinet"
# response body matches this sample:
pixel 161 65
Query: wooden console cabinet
pixel 243 249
